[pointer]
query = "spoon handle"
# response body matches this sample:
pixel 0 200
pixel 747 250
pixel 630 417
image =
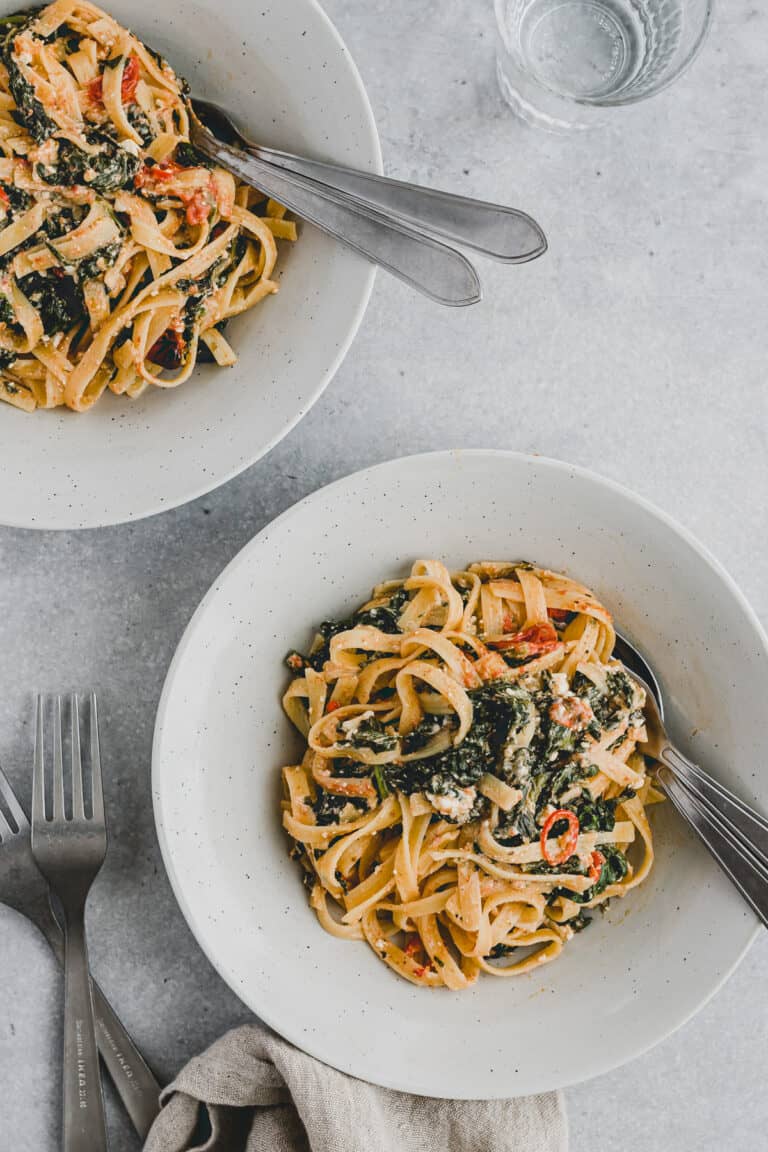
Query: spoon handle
pixel 434 269
pixel 495 230
pixel 741 821
pixel 746 871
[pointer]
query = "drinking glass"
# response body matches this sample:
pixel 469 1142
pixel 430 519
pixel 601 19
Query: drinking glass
pixel 563 63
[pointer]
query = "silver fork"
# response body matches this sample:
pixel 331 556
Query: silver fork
pixel 735 834
pixel 23 888
pixel 69 851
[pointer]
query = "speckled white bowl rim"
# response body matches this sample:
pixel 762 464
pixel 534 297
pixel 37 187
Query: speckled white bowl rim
pixel 442 1077
pixel 125 460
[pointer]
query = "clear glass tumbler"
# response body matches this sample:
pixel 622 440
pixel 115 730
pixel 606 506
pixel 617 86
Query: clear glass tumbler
pixel 563 63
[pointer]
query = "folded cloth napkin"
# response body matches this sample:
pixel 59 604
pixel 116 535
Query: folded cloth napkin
pixel 253 1092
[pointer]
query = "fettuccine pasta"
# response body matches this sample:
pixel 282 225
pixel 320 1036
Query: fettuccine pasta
pixel 123 251
pixel 471 785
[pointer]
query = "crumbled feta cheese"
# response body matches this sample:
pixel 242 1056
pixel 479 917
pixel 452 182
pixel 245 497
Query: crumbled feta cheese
pixel 130 146
pixel 456 805
pixel 560 685
pixel 354 723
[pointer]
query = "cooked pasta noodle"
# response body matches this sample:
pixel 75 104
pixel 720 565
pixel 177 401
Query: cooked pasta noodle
pixel 471 784
pixel 123 251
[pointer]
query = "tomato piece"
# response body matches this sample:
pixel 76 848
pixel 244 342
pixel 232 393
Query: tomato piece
pixel 165 171
pixel 561 614
pixel 332 706
pixel 596 866
pixel 533 641
pixel 412 944
pixel 198 209
pixel 571 712
pixel 4 199
pixel 127 87
pixel 168 350
pixel 130 79
pixel 564 847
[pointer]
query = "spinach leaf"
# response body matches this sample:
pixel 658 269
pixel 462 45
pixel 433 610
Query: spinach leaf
pixel 57 298
pixel 98 262
pixel 189 157
pixel 615 868
pixel 18 199
pixel 105 172
pixel 498 708
pixel 371 734
pixel 140 121
pixel 328 806
pixel 29 113
pixel 6 358
pixel 6 311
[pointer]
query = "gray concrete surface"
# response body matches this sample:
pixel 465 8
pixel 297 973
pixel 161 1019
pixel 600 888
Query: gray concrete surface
pixel 637 347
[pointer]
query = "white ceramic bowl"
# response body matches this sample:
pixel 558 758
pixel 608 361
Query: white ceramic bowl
pixel 282 67
pixel 636 973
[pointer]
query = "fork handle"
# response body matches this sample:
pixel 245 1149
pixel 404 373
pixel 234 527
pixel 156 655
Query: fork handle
pixel 84 1124
pixel 426 264
pixel 742 868
pixel 138 1089
pixel 743 822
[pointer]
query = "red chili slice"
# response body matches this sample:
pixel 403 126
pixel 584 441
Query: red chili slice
pixel 596 862
pixel 332 706
pixel 4 199
pixel 564 848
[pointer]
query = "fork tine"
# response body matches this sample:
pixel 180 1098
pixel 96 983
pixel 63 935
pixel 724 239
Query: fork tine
pixel 58 764
pixel 78 808
pixel 97 795
pixel 38 784
pixel 13 805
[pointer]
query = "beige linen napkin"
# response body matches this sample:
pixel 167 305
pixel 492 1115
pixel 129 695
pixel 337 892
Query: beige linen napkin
pixel 253 1092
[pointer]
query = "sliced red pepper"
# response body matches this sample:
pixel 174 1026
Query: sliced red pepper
pixel 127 87
pixel 596 862
pixel 564 847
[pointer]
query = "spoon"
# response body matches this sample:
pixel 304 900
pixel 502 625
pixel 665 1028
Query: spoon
pixel 390 223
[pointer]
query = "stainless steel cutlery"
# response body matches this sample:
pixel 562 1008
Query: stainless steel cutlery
pixel 69 844
pixel 397 225
pixel 733 832
pixel 23 888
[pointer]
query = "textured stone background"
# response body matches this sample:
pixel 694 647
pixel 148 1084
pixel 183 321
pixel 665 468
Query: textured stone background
pixel 636 347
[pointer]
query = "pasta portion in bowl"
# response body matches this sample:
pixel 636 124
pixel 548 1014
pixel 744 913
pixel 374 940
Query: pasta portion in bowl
pixel 471 785
pixel 123 251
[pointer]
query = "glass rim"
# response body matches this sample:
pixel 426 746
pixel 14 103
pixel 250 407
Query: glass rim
pixel 619 100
